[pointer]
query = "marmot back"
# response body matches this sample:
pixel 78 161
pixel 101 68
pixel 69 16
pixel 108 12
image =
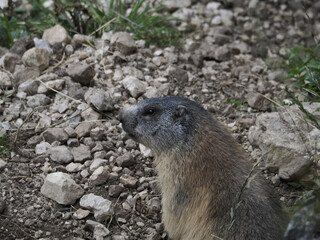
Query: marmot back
pixel 201 169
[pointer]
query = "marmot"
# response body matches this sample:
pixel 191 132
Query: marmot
pixel 201 170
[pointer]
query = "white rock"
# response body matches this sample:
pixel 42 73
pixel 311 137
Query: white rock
pixel 61 188
pixel 56 35
pixel 42 148
pixel 2 163
pixel 103 208
pixel 81 214
pixel 135 87
pixel 97 163
pixel 5 80
pixel 74 167
pixel 60 154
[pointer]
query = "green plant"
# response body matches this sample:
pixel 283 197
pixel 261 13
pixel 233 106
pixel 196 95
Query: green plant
pixel 85 17
pixel 234 102
pixel 303 64
pixel 4 145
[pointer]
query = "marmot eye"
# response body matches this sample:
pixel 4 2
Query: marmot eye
pixel 149 111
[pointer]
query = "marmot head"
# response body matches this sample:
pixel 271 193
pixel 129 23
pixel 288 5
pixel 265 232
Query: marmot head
pixel 162 124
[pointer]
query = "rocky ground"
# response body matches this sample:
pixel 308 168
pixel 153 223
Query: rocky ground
pixel 72 173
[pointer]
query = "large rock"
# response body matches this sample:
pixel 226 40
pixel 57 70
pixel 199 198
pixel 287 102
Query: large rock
pixel 103 208
pixel 81 72
pixel 292 141
pixel 9 61
pixel 61 188
pixel 38 100
pixel 36 57
pixel 81 153
pixel 124 42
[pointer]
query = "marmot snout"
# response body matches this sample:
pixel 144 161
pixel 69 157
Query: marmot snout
pixel 201 169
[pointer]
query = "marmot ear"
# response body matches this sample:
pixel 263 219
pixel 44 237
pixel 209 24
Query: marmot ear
pixel 180 111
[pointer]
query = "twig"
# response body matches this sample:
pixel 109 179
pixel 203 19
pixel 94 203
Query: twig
pixel 103 26
pixel 62 94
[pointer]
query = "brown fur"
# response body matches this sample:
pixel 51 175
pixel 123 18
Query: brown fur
pixel 200 188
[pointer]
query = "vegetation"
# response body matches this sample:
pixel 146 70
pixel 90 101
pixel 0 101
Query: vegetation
pixel 303 65
pixel 4 145
pixel 89 16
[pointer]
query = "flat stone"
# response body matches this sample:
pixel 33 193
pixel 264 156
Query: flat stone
pixel 99 176
pixel 61 188
pixel 103 208
pixel 81 153
pixel 99 230
pixel 60 154
pixel 36 57
pixel 55 134
pixel 126 160
pixel 81 72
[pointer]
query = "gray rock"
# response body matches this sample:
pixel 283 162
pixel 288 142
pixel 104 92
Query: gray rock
pixel 34 140
pixel 30 86
pixel 56 36
pixel 103 208
pixel 258 101
pixel 222 53
pixel 115 190
pixel 128 181
pixel 81 214
pixel 277 75
pixel 83 129
pixel 55 134
pixel 36 57
pixel 226 17
pixel 5 80
pixel 42 148
pixel 135 87
pixel 124 42
pixel 97 163
pixel 61 188
pixel 289 138
pixel 9 61
pixel 99 230
pixel 57 84
pixel 60 154
pixel 126 160
pixel 99 176
pixel 97 133
pixel 2 164
pixel 99 99
pixel 81 72
pixel 38 100
pixel 70 131
pixel 81 153
pixel 172 5
pixel 21 45
pixel 74 167
pixel 90 115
